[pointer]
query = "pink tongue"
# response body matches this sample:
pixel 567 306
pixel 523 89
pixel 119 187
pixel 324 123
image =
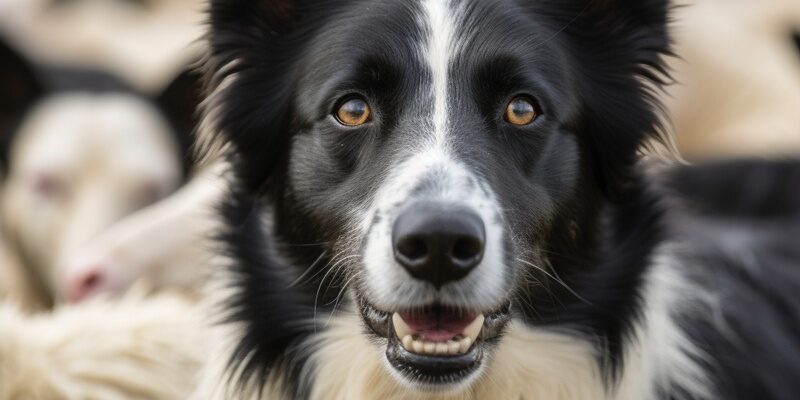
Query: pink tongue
pixel 437 327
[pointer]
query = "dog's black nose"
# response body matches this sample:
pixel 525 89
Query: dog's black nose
pixel 438 243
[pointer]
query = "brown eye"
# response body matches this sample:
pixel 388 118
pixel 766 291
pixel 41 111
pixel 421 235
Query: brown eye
pixel 521 111
pixel 353 112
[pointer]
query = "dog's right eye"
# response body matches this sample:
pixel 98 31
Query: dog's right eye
pixel 353 112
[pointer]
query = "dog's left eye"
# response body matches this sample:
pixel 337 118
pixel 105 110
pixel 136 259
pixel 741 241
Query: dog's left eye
pixel 521 111
pixel 354 112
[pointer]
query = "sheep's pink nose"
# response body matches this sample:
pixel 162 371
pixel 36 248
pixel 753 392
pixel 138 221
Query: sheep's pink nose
pixel 85 284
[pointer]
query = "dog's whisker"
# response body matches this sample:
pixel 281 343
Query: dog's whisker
pixel 307 244
pixel 323 268
pixel 528 276
pixel 551 276
pixel 333 269
pixel 338 298
pixel 302 276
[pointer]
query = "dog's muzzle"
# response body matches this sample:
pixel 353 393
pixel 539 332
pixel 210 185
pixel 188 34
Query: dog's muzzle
pixel 438 343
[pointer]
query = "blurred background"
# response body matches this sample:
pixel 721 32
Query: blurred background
pixel 96 112
pixel 97 190
pixel 143 41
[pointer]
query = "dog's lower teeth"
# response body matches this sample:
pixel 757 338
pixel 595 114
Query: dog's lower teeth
pixel 455 346
pixel 429 348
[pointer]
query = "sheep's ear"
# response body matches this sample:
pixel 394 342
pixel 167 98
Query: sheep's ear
pixel 179 102
pixel 20 88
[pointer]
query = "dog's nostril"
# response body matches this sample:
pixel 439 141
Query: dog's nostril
pixel 413 248
pixel 467 248
pixel 438 243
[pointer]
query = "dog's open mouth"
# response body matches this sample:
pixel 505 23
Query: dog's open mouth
pixel 436 344
pixel 437 331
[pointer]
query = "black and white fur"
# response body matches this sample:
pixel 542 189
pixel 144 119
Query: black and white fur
pixel 612 293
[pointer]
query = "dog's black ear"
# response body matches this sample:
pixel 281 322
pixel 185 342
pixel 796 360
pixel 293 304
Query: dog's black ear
pixel 620 48
pixel 250 71
pixel 20 88
pixel 276 16
pixel 179 102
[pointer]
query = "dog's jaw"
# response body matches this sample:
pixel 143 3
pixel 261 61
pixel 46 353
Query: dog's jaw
pixel 442 354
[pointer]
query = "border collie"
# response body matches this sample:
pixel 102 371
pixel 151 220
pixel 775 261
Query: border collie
pixel 444 199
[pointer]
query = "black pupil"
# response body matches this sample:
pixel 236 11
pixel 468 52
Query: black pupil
pixel 355 109
pixel 521 108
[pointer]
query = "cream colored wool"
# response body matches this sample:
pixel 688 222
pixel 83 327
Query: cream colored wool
pixel 132 348
pixel 17 286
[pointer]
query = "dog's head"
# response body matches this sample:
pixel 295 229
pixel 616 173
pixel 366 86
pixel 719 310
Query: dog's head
pixel 441 153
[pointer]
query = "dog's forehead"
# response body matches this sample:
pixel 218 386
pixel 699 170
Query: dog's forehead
pixel 427 33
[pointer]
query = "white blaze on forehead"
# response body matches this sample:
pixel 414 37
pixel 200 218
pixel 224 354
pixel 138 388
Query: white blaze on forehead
pixel 439 21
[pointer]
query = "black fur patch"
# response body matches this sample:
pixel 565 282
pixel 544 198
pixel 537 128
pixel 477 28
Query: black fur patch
pixel 751 335
pixel 757 189
pixel 271 338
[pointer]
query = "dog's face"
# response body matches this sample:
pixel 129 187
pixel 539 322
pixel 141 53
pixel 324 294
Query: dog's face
pixel 438 155
pixel 442 151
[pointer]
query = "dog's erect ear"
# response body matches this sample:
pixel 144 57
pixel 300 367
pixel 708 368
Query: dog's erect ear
pixel 620 46
pixel 179 102
pixel 19 89
pixel 250 71
pixel 633 28
pixel 275 15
